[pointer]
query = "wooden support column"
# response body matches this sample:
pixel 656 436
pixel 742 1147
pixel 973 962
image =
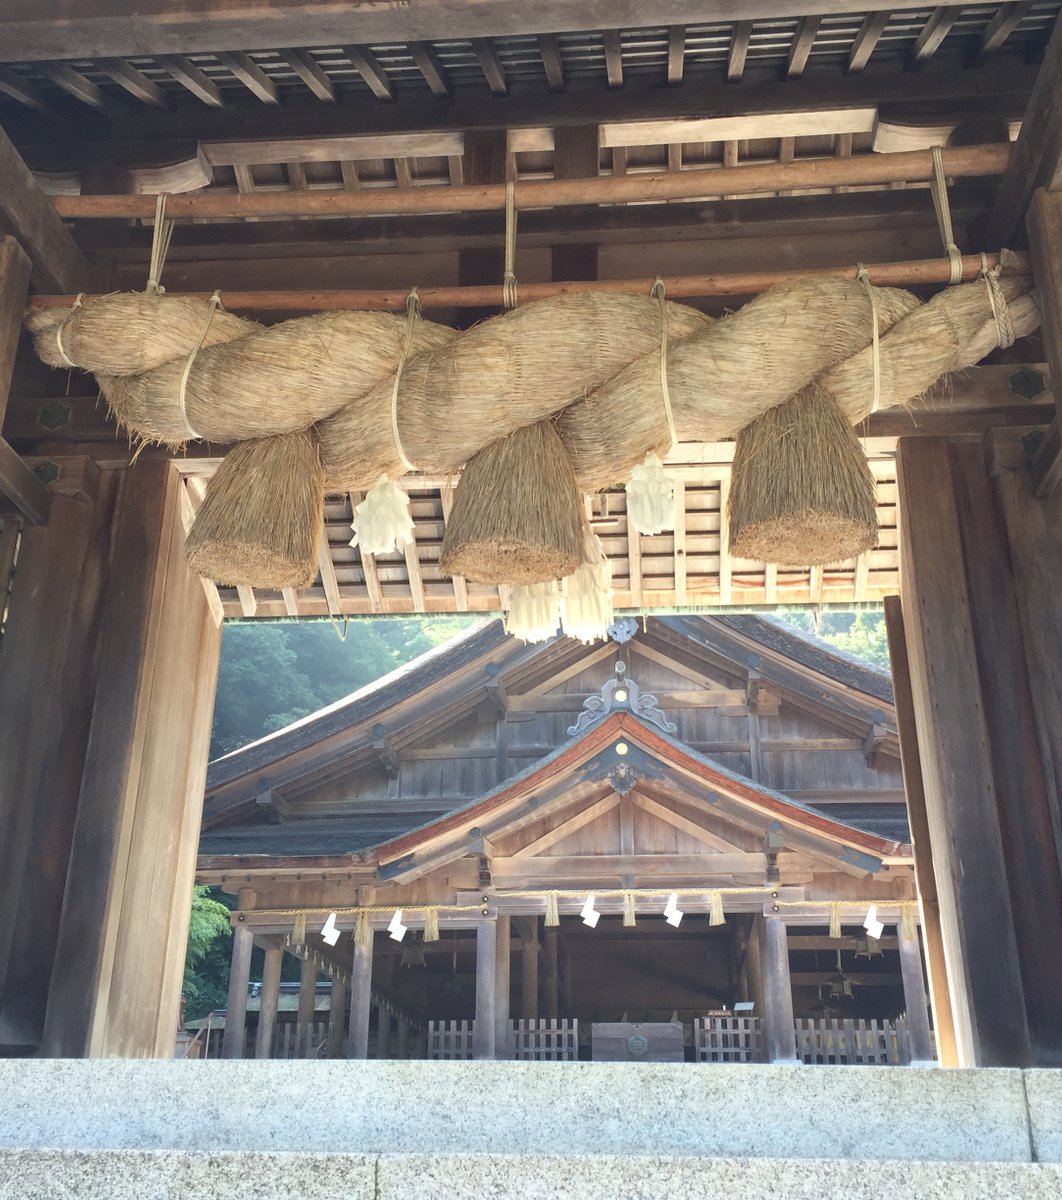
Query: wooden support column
pixel 754 965
pixel 239 975
pixel 267 1012
pixel 550 984
pixel 486 161
pixel 954 737
pixel 337 1014
pixel 484 1037
pixel 529 951
pixel 101 778
pixel 779 1034
pixel 576 153
pixel 402 1049
pixel 360 1002
pixel 502 967
pixel 1045 241
pixel 307 1004
pixel 914 995
pixel 383 1031
pixel 918 818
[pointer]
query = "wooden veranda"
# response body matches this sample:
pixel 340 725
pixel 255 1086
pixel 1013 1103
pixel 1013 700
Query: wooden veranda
pixel 337 154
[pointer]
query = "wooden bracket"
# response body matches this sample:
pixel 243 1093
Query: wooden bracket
pixel 384 751
pixel 874 741
pixel 752 686
pixel 22 487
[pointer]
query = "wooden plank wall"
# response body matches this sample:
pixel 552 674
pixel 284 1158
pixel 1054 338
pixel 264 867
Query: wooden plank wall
pixel 984 708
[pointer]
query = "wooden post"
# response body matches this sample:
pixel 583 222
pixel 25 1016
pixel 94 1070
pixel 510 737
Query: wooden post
pixel 778 1029
pixel 914 790
pixel 267 1012
pixel 485 161
pixel 529 951
pixel 360 1002
pixel 337 1013
pixel 914 994
pixel 383 1031
pixel 307 1006
pixel 550 988
pixel 754 965
pixel 239 975
pixel 403 1038
pixel 502 967
pixel 948 642
pixel 484 1043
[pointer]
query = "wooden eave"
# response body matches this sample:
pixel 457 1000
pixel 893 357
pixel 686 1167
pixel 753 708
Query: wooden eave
pixel 581 763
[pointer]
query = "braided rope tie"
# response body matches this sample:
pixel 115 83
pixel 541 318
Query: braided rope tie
pixel 59 330
pixel 214 305
pixel 509 276
pixel 160 245
pixel 412 314
pixel 864 278
pixel 998 302
pixel 939 189
pixel 658 291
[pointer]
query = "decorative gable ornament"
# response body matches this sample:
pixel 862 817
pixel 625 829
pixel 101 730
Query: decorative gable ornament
pixel 621 694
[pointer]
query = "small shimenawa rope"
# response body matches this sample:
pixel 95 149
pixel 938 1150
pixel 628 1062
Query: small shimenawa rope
pixel 509 275
pixel 998 302
pixel 160 245
pixel 59 329
pixel 658 291
pixel 212 307
pixel 412 313
pixel 864 278
pixel 939 189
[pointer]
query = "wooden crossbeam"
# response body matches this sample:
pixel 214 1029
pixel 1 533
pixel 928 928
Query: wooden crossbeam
pixel 676 54
pixel 328 575
pixel 74 84
pixel 799 51
pixel 430 67
pixel 491 65
pixel 307 68
pixel 1007 18
pixel 135 82
pixel 739 51
pixel 251 75
pixel 368 67
pixel 613 58
pixel 190 77
pixel 19 88
pixel 552 64
pixel 866 41
pixel 935 30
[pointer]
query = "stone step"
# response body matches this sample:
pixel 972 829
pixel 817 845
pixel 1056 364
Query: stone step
pixel 262 1175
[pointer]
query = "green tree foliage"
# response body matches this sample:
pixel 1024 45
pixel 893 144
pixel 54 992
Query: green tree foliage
pixel 273 673
pixel 861 634
pixel 206 964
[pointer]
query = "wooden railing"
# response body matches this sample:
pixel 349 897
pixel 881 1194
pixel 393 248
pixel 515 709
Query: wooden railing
pixel 292 1040
pixel 450 1040
pixel 851 1043
pixel 728 1039
pixel 546 1040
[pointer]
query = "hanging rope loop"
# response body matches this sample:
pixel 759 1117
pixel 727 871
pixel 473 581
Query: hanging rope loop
pixel 659 293
pixel 412 316
pixel 875 337
pixel 509 276
pixel 998 302
pixel 60 327
pixel 939 189
pixel 214 305
pixel 161 235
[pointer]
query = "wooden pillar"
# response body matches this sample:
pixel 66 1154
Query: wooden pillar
pixel 485 161
pixel 972 713
pixel 754 965
pixel 402 1050
pixel 337 1017
pixel 383 1031
pixel 502 968
pixel 267 1013
pixel 779 1034
pixel 360 1002
pixel 914 994
pixel 551 983
pixel 239 974
pixel 529 951
pixel 484 1038
pixel 307 1006
pixel 101 778
pixel 914 791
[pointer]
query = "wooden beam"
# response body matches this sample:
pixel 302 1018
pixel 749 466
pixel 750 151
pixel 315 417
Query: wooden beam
pixel 567 827
pixel 725 562
pixel 1037 158
pixel 190 77
pixel 19 484
pixel 135 82
pixel 251 75
pixel 368 67
pixel 866 40
pixel 414 575
pixel 935 30
pixel 20 89
pixel 613 58
pixel 1045 239
pixel 446 498
pixel 430 67
pixel 74 84
pixel 248 601
pixel 806 32
pixel 491 65
pixel 1007 18
pixel 681 594
pixel 552 63
pixel 739 50
pixel 329 581
pixel 307 68
pixel 26 213
pixel 676 54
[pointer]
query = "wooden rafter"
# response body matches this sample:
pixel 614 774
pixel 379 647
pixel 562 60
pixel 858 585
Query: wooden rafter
pixel 328 576
pixel 613 58
pixel 21 89
pixel 800 50
pixel 446 499
pixel 190 77
pixel 368 67
pixel 135 82
pixel 430 67
pixel 1002 25
pixel 74 84
pixel 739 51
pixel 251 75
pixel 552 63
pixel 681 595
pixel 309 70
pixel 935 30
pixel 491 65
pixel 676 54
pixel 866 41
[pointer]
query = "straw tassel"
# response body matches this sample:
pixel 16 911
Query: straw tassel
pixel 586 596
pixel 716 916
pixel 628 910
pixel 298 931
pixel 431 925
pixel 552 912
pixel 650 497
pixel 382 523
pixel 534 611
pixel 362 931
pixel 835 921
pixel 908 924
